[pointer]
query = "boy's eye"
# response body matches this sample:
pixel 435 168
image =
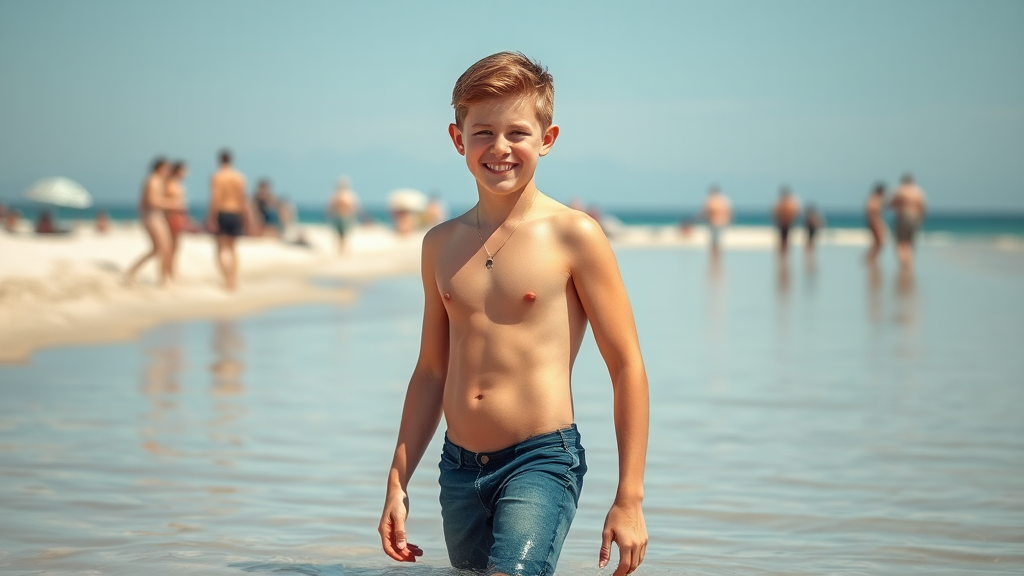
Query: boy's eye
pixel 482 133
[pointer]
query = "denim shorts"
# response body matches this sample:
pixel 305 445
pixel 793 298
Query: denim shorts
pixel 509 511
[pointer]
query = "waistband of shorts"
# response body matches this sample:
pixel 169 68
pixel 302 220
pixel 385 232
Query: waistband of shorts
pixel 564 437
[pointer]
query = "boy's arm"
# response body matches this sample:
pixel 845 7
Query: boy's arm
pixel 599 285
pixel 421 413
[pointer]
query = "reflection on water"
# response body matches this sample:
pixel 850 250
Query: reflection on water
pixel 810 273
pixel 874 292
pixel 161 383
pixel 227 366
pixel 782 281
pixel 906 298
pixel 858 443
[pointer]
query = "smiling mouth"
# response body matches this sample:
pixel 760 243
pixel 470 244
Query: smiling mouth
pixel 500 168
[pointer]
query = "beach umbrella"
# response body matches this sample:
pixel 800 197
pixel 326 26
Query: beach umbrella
pixel 59 192
pixel 407 200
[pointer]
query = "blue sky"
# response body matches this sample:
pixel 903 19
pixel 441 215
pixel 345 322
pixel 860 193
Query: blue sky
pixel 655 100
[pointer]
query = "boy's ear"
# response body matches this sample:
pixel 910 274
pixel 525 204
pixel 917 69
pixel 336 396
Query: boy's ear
pixel 456 135
pixel 550 135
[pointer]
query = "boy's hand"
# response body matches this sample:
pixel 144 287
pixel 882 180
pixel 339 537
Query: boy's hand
pixel 625 526
pixel 392 528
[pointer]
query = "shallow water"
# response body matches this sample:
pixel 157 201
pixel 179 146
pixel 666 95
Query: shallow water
pixel 807 421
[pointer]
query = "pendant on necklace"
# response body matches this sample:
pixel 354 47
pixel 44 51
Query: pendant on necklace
pixel 489 263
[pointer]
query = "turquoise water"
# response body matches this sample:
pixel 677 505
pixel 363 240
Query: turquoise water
pixel 805 420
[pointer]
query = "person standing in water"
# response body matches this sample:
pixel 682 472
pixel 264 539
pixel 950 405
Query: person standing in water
pixel 343 210
pixel 718 214
pixel 509 289
pixel 813 221
pixel 908 204
pixel 177 213
pixel 225 216
pixel 785 214
pixel 876 223
pixel 152 205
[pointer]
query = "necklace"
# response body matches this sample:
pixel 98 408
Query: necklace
pixel 480 234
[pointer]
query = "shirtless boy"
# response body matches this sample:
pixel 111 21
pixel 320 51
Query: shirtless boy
pixel 785 213
pixel 718 213
pixel 225 216
pixel 510 287
pixel 908 202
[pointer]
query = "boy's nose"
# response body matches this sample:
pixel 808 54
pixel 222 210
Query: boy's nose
pixel 500 146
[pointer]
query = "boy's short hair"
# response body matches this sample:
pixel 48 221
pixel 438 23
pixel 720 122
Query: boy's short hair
pixel 501 75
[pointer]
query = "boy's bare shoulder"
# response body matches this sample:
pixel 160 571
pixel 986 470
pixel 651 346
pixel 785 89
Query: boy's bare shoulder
pixel 574 227
pixel 440 234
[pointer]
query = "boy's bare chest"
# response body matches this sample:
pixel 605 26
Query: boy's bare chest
pixel 527 273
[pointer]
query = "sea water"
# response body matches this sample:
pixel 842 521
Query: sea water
pixel 814 418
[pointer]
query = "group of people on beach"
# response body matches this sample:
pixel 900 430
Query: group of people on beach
pixel 163 213
pixel 907 203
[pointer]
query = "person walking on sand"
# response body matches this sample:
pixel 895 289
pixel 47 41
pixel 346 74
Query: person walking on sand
pixel 509 289
pixel 908 204
pixel 177 212
pixel 226 216
pixel 876 223
pixel 785 214
pixel 717 212
pixel 343 210
pixel 152 205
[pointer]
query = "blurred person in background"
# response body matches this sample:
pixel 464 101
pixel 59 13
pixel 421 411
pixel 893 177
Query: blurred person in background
pixel 717 212
pixel 876 223
pixel 12 217
pixel 343 210
pixel 813 221
pixel 226 216
pixel 289 216
pixel 45 223
pixel 3 211
pixel 102 222
pixel 785 214
pixel 152 204
pixel 177 212
pixel 266 206
pixel 908 203
pixel 436 212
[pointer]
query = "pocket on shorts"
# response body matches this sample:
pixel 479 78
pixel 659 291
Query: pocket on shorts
pixel 448 462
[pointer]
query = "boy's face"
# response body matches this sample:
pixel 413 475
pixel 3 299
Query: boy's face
pixel 502 139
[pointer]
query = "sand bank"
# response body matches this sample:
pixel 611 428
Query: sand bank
pixel 70 289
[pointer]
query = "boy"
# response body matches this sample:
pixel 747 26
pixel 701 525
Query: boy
pixel 510 286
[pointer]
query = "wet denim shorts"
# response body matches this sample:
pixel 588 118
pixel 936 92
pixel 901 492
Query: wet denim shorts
pixel 509 511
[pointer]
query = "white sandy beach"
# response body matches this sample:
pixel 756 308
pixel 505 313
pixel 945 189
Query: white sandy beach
pixel 70 289
pixel 67 289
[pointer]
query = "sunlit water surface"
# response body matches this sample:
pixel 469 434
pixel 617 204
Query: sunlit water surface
pixel 826 420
